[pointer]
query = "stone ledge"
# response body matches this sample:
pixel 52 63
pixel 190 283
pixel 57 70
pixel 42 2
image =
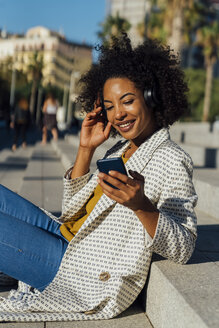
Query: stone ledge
pixel 181 296
pixel 196 133
pixel 202 156
pixel 206 183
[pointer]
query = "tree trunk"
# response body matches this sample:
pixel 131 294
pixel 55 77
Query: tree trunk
pixel 190 56
pixel 208 87
pixel 175 39
pixel 33 98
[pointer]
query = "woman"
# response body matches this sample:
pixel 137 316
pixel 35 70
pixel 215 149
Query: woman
pixel 50 107
pixel 20 122
pixel 99 251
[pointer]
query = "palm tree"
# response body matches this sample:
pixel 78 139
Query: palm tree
pixel 208 38
pixel 195 17
pixel 178 17
pixel 35 69
pixel 166 21
pixel 113 26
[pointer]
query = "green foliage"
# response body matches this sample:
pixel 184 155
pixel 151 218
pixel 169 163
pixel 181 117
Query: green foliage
pixel 36 66
pixel 113 26
pixel 196 82
pixel 155 27
pixel 23 87
pixel 214 111
pixel 207 36
pixel 57 92
pixel 195 16
pixel 4 97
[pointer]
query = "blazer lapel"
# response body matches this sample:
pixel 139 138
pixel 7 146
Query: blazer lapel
pixel 141 157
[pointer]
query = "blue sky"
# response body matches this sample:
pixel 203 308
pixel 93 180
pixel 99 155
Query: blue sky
pixel 78 19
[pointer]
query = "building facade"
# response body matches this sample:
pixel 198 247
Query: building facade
pixel 134 11
pixel 59 57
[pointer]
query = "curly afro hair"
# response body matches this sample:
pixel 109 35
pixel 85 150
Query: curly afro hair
pixel 149 65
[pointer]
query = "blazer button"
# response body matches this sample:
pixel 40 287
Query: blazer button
pixel 104 276
pixel 90 312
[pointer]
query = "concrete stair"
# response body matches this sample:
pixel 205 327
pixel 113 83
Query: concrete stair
pixel 200 141
pixel 187 295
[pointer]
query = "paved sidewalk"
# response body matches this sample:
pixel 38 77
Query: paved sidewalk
pixel 12 167
pixel 43 179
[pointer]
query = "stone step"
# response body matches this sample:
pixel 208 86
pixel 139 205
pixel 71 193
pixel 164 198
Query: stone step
pixel 196 133
pixel 187 295
pixel 202 156
pixel 206 182
pixel 132 317
pixel 198 140
pixel 13 166
pixel 67 150
pixel 99 153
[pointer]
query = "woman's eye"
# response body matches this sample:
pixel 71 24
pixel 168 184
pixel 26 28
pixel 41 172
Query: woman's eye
pixel 128 102
pixel 108 108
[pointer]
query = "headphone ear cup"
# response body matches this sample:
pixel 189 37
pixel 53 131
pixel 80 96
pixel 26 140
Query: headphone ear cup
pixel 148 98
pixel 151 98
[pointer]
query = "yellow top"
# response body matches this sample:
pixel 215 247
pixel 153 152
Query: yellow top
pixel 70 228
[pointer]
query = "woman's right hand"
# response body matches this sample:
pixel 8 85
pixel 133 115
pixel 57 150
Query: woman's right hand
pixel 93 131
pixel 93 134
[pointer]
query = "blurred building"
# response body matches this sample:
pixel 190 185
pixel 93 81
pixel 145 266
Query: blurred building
pixel 59 56
pixel 134 11
pixel 138 11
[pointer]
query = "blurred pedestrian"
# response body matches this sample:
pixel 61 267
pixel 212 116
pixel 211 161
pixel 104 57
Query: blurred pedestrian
pixel 20 122
pixel 50 108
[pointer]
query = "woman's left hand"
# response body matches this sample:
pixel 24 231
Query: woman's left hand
pixel 130 192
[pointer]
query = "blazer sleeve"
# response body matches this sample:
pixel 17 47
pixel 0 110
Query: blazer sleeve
pixel 71 187
pixel 176 230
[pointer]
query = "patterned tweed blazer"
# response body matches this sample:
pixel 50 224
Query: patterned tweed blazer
pixel 106 264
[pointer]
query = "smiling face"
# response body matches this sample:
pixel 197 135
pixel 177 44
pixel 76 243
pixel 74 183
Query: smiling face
pixel 126 110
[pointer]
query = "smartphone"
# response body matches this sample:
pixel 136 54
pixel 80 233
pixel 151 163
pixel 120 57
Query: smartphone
pixel 114 163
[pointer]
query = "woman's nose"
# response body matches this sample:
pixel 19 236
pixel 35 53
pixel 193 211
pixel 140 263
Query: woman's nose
pixel 119 113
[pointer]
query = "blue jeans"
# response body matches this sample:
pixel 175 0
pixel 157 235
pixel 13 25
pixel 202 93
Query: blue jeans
pixel 31 244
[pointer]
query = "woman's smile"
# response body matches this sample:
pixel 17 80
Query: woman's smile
pixel 125 126
pixel 126 110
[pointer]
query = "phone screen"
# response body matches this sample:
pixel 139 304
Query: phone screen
pixel 115 164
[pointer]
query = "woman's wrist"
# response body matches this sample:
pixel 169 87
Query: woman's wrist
pixel 145 206
pixel 82 162
pixel 148 214
pixel 86 151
